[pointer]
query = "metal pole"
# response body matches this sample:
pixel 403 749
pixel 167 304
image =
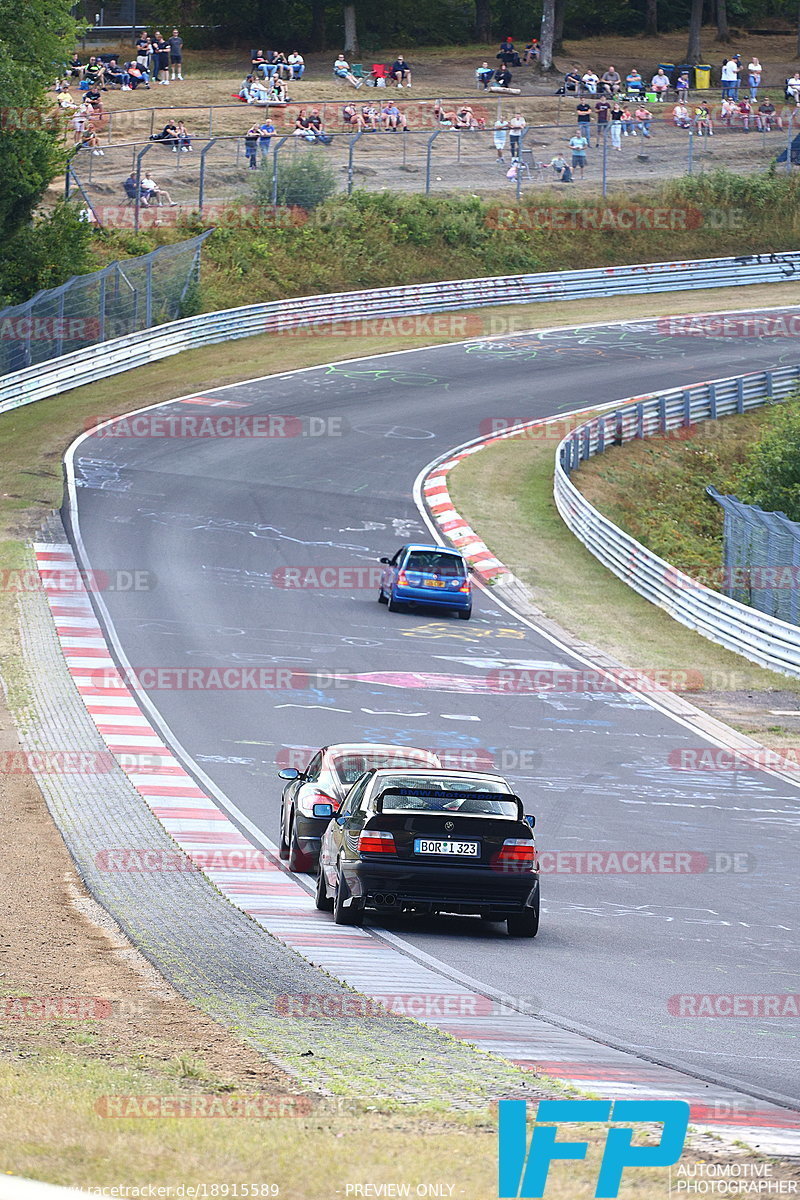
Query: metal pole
pixel 431 140
pixel 67 180
pixel 202 186
pixel 148 295
pixel 137 201
pixel 789 144
pixel 691 150
pixel 102 309
pixel 519 165
pixel 210 121
pixel 351 148
pixel 152 120
pixel 605 161
pixel 275 169
pixel 458 145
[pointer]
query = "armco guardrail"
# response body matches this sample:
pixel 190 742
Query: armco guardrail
pixel 761 638
pixel 121 354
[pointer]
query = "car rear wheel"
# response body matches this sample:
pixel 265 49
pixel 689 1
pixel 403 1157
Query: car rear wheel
pixel 351 914
pixel 321 897
pixel 525 923
pixel 298 859
pixel 381 598
pixel 465 613
pixel 395 605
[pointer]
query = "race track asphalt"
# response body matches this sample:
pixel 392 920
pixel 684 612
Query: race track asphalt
pixel 215 518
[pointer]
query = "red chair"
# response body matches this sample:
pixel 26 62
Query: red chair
pixel 379 71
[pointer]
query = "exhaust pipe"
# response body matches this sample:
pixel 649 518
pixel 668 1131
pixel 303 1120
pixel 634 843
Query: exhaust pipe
pixel 385 900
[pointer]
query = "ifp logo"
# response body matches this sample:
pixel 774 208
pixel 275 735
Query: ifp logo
pixel 523 1169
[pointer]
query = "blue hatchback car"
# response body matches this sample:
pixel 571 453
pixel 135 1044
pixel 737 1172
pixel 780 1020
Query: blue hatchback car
pixel 433 576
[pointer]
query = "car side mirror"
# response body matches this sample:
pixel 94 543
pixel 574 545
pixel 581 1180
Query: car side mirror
pixel 322 809
pixel 388 561
pixel 289 773
pixel 530 820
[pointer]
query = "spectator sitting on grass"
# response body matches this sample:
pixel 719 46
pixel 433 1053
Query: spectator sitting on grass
pixel 502 77
pixel 627 122
pixel 151 191
pixel 702 120
pixel 572 80
pixel 90 139
pixel 643 117
pixel 137 76
pixel 485 74
pixel 75 66
pixel 793 88
pixel 341 68
pixel 680 116
pixel 561 168
pixel 278 93
pixel 531 51
pixel 93 71
pixel 115 75
pixel 466 119
pixel 745 112
pixel 259 92
pixel 766 117
pixel 401 72
pixel 297 64
pixel 443 115
pixel 660 84
pixel 371 117
pixel 611 81
pixel 184 141
pixel 351 116
pixel 634 82
pixel 728 110
pixel 391 117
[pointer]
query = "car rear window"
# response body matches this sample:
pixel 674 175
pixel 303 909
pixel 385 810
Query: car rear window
pixel 433 563
pixel 464 796
pixel 351 766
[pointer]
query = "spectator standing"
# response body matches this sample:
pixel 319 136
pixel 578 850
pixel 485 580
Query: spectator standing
pixel 251 146
pixel 578 145
pixel 175 43
pixel 729 78
pixel 161 52
pixel 401 72
pixel 754 77
pixel 660 84
pixel 602 108
pixel 499 137
pixel 584 114
pixel 616 125
pixel 516 126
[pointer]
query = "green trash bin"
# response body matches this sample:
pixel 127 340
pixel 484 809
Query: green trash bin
pixel 702 77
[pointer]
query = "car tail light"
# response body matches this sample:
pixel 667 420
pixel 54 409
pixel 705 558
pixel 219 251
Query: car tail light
pixel 376 841
pixel 402 580
pixel 309 798
pixel 462 585
pixel 516 854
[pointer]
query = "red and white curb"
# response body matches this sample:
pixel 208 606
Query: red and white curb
pixel 366 960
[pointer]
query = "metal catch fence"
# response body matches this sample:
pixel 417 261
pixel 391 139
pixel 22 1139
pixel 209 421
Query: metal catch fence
pixel 761 558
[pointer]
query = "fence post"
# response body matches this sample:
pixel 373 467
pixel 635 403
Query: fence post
pixel 519 165
pixel 351 148
pixel 148 294
pixel 137 201
pixel 102 309
pixel 429 151
pixel 210 120
pixel 691 151
pixel 202 184
pixel 275 169
pixel 789 143
pixel 605 161
pixel 60 342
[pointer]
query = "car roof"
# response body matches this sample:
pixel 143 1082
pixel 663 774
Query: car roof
pixel 426 772
pixel 427 546
pixel 367 747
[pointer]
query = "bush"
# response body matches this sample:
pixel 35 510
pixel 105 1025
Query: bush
pixel 304 181
pixel 44 254
pixel 771 475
